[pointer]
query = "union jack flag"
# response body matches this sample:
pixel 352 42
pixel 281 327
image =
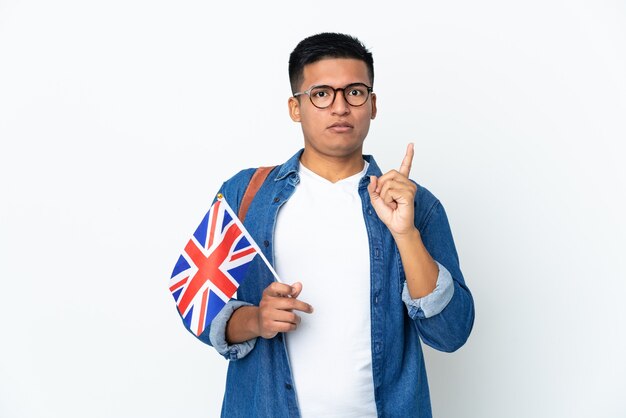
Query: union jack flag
pixel 212 266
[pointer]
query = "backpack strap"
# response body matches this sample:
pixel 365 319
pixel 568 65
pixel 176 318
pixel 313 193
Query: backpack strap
pixel 255 184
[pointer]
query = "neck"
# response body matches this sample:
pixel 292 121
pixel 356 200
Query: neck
pixel 332 168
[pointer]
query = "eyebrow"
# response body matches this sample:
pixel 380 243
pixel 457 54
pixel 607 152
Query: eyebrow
pixel 327 85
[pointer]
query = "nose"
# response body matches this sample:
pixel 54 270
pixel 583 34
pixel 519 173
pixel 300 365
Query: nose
pixel 340 106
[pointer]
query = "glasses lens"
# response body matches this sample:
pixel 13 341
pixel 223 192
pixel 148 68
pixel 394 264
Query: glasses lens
pixel 322 96
pixel 356 94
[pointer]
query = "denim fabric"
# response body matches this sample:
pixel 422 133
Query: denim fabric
pixel 260 384
pixel 217 334
pixel 423 307
pixel 435 302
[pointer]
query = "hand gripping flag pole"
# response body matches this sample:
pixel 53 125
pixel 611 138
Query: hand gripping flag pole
pixel 212 266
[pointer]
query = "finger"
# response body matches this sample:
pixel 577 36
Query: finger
pixel 270 327
pixel 278 289
pixel 296 289
pixel 384 190
pixel 399 179
pixel 392 190
pixel 276 327
pixel 371 188
pixel 284 316
pixel 286 304
pixel 399 184
pixel 377 203
pixel 374 188
pixel 271 317
pixel 389 175
pixel 298 305
pixel 389 196
pixel 384 178
pixel 405 167
pixel 392 175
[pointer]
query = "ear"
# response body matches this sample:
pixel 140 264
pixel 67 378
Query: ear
pixel 294 109
pixel 374 109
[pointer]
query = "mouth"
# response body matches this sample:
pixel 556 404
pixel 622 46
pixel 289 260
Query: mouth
pixel 340 127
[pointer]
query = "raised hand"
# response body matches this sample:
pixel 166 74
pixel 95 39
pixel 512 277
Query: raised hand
pixel 392 196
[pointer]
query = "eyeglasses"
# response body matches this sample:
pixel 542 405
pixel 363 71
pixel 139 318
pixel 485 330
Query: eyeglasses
pixel 356 94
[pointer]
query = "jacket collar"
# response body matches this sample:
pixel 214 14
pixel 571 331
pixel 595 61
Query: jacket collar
pixel 290 166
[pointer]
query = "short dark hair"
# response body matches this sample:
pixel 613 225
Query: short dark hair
pixel 326 45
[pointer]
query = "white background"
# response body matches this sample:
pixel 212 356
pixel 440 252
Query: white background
pixel 120 119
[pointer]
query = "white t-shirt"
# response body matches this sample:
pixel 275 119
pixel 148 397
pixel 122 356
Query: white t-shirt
pixel 321 241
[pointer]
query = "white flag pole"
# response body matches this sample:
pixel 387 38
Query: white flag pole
pixel 248 236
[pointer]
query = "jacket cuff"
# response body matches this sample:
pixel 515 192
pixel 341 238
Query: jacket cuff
pixel 217 335
pixel 433 303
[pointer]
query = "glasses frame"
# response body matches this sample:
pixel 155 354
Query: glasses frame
pixel 342 90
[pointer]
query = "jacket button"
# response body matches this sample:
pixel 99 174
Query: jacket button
pixel 287 386
pixel 266 243
pixel 276 199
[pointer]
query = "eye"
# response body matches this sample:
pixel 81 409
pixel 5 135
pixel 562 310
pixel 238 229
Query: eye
pixel 320 94
pixel 356 90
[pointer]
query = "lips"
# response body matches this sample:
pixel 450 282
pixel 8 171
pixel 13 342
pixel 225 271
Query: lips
pixel 340 127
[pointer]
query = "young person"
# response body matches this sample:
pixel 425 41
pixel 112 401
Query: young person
pixel 370 256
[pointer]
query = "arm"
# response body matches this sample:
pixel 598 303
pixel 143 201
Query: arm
pixel 217 333
pixel 235 329
pixel 420 269
pixel 392 196
pixel 448 327
pixel 436 296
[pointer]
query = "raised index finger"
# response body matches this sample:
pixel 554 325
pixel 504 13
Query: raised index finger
pixel 405 167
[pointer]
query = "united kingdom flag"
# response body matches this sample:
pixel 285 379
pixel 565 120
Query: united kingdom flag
pixel 212 266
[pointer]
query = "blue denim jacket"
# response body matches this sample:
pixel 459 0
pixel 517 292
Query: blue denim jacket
pixel 259 381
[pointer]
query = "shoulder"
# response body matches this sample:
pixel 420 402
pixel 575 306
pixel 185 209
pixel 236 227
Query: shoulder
pixel 238 181
pixel 234 188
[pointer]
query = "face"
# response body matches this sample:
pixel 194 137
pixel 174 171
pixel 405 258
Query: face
pixel 340 129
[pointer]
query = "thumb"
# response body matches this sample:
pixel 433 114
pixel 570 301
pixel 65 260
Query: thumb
pixel 377 203
pixel 296 289
pixel 371 188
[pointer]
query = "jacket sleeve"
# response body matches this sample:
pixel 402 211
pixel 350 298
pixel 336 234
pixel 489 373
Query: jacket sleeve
pixel 448 329
pixel 215 333
pixel 433 303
